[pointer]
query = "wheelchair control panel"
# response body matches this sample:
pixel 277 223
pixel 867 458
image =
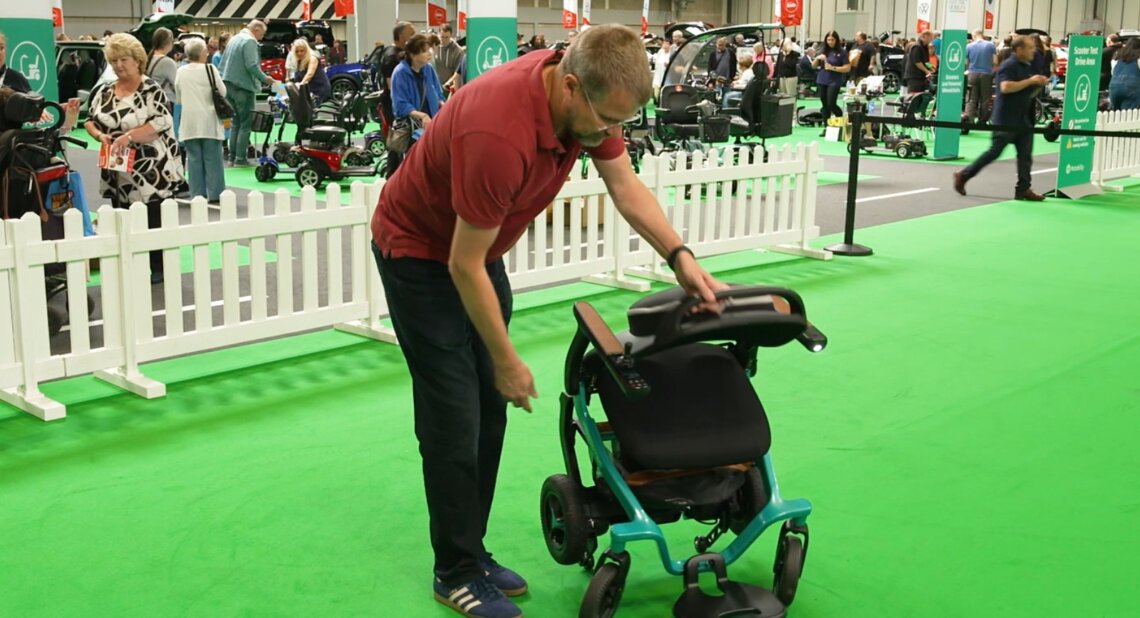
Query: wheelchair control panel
pixel 617 359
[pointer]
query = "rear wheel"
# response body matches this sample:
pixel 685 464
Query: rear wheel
pixel 902 150
pixel 563 519
pixel 750 500
pixel 264 172
pixel 358 158
pixel 343 87
pixel 376 147
pixel 281 152
pixel 309 176
pixel 890 82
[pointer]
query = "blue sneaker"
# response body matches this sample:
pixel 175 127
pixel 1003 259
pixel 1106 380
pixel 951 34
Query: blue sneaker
pixel 476 599
pixel 506 580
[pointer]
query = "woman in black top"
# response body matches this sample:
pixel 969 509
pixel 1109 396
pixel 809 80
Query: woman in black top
pixel 832 58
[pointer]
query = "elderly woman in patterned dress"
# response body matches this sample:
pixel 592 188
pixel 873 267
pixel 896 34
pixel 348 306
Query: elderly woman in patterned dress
pixel 134 113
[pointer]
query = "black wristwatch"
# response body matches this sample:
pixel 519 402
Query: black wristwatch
pixel 671 259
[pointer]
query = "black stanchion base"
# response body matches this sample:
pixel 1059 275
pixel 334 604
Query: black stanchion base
pixel 849 249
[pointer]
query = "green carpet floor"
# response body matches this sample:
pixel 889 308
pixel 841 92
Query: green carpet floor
pixel 966 439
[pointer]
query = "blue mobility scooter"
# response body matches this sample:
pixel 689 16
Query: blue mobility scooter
pixel 686 436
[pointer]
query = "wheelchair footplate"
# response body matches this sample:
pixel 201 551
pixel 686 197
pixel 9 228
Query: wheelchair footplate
pixel 735 599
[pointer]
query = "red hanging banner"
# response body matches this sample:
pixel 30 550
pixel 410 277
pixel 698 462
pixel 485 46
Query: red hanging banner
pixel 306 10
pixel 436 15
pixel 344 8
pixel 791 12
pixel 569 14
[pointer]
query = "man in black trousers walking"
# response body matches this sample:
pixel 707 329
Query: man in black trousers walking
pixel 1016 88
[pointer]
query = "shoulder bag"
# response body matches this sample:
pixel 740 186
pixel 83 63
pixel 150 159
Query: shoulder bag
pixel 222 106
pixel 400 135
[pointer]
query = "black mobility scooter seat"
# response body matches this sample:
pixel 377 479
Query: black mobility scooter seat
pixel 702 412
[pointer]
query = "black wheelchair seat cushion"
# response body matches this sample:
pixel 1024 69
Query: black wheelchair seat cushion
pixel 702 412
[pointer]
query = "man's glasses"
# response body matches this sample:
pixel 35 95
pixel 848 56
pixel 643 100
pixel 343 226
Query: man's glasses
pixel 606 128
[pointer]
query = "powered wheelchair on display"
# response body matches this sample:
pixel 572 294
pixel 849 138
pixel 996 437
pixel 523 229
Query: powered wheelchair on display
pixel 685 437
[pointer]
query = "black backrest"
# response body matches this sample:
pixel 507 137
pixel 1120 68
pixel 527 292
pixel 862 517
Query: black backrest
pixel 750 100
pixel 675 99
pixel 919 104
pixel 300 105
pixel 702 412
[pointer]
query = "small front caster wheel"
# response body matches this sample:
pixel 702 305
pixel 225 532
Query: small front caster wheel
pixel 604 593
pixel 789 565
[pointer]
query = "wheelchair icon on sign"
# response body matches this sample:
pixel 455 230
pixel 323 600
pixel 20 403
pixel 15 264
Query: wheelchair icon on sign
pixel 491 53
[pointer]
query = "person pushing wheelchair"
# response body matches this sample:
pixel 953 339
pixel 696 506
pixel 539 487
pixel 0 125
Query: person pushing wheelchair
pixel 459 201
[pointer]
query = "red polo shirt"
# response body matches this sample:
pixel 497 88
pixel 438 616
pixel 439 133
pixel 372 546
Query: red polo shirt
pixel 489 156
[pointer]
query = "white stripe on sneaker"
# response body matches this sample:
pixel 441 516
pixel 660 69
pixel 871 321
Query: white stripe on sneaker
pixel 464 600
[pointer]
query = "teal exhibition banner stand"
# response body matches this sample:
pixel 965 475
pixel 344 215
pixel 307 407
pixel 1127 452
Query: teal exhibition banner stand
pixel 951 89
pixel 1074 168
pixel 490 42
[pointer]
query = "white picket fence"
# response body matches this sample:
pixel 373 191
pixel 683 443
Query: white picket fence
pixel 717 205
pixel 1116 157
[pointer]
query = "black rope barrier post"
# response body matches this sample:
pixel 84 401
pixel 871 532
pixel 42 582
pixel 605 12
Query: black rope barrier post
pixel 855 112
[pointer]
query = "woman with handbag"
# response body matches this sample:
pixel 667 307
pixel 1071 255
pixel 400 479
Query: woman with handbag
pixel 201 128
pixel 132 113
pixel 416 97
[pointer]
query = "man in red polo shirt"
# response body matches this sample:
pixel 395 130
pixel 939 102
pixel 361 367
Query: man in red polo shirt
pixel 491 161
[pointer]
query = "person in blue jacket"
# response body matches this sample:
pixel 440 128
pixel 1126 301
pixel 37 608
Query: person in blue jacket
pixel 416 91
pixel 1124 87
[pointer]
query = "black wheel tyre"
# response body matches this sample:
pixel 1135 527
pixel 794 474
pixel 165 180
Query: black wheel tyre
pixel 293 159
pixel 563 519
pixel 750 498
pixel 57 317
pixel 604 593
pixel 281 153
pixel 309 177
pixel 342 87
pixel 902 150
pixel 789 565
pixel 890 83
pixel 264 172
pixel 358 159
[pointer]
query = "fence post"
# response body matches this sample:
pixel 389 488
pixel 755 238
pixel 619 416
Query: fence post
pixel 29 318
pixel 366 284
pixel 804 205
pixel 125 224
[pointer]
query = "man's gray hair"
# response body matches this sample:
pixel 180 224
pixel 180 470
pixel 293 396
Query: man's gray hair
pixel 195 49
pixel 609 56
pixel 256 25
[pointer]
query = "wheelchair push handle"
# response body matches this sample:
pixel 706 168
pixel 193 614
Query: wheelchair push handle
pixel 740 303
